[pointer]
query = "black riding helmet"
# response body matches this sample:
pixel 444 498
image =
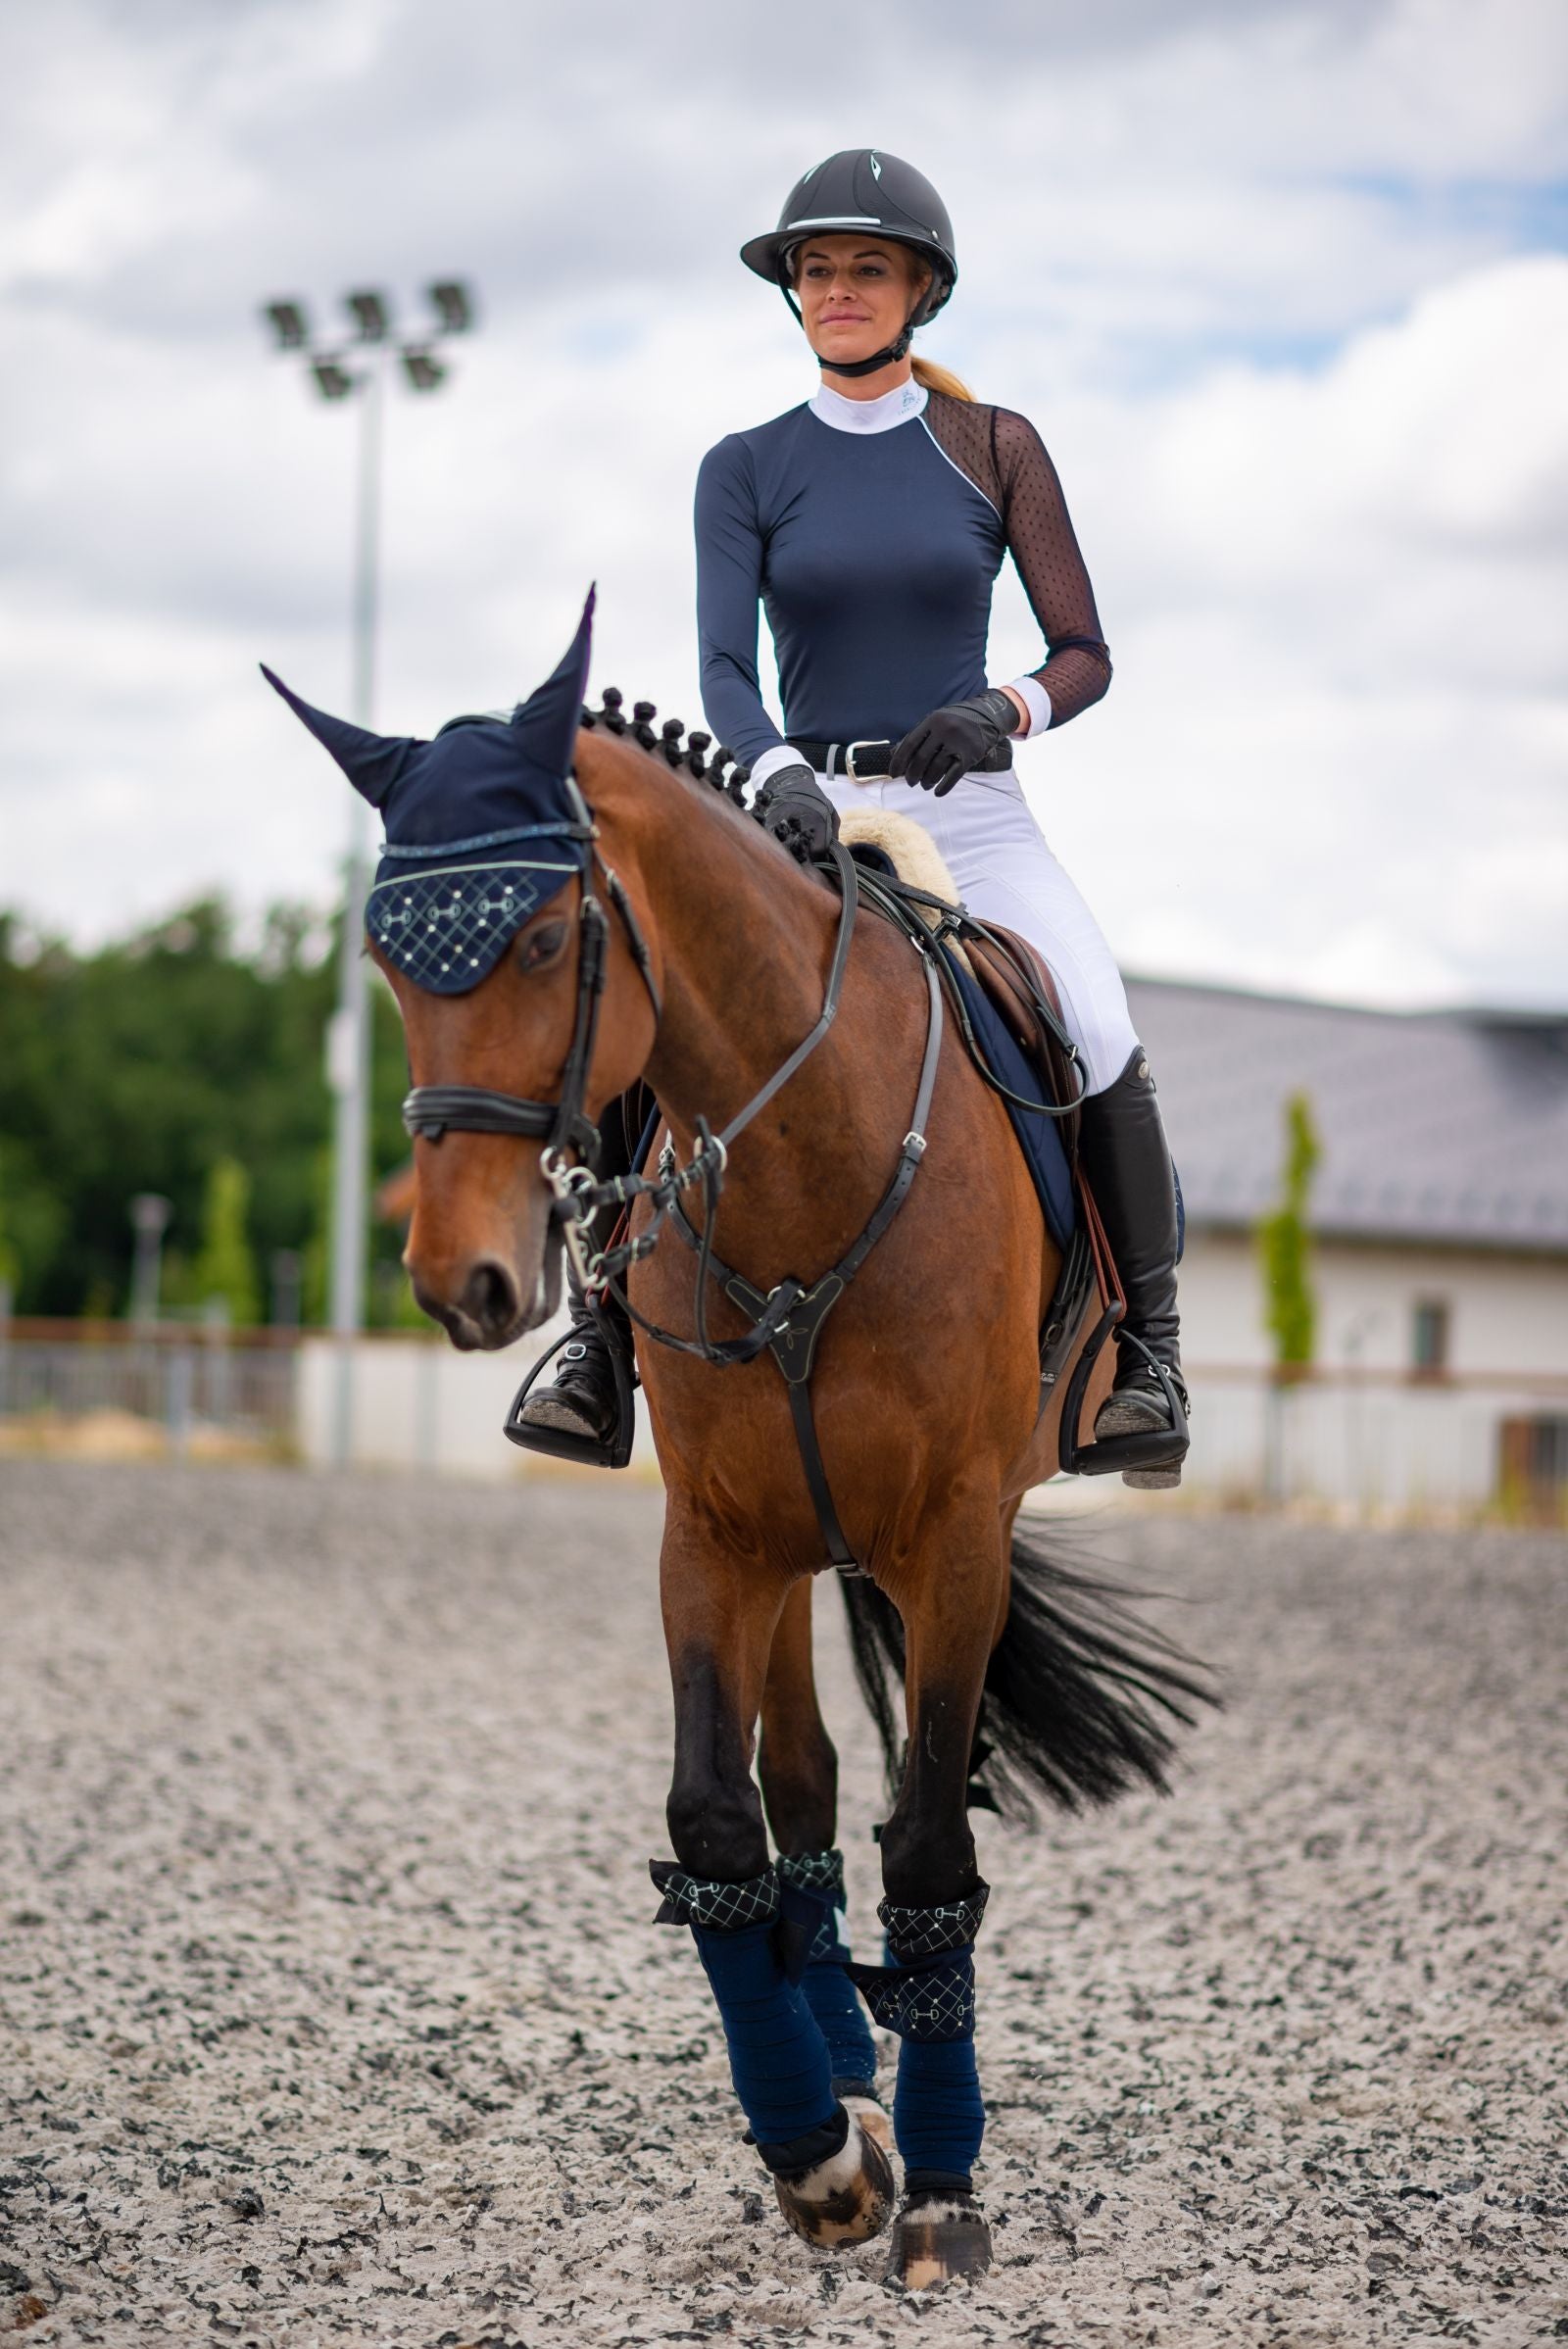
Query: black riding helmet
pixel 862 188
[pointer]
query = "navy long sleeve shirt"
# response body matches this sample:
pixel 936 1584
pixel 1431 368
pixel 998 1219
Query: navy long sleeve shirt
pixel 874 549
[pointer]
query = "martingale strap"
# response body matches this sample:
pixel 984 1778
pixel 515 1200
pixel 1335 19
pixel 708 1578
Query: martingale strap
pixel 579 1196
pixel 787 1321
pixel 792 1342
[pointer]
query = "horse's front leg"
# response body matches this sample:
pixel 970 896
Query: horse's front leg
pixel 721 1606
pixel 952 1596
pixel 800 1773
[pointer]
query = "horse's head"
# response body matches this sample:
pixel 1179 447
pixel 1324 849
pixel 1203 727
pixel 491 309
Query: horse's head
pixel 476 916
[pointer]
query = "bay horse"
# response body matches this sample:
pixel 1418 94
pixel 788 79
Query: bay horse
pixel 711 953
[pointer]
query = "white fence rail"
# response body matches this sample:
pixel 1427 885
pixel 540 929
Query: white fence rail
pixel 417 1404
pixel 1369 1444
pixel 175 1376
pixel 1372 1444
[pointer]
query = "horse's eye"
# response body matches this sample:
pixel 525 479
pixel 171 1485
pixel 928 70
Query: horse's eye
pixel 542 945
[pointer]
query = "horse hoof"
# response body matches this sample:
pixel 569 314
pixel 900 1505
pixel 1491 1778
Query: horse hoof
pixel 874 2119
pixel 935 2239
pixel 846 2199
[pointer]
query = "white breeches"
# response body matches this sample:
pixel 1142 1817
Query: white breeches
pixel 997 856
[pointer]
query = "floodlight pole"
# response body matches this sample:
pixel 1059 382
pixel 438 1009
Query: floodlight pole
pixel 349 1032
pixel 348 1052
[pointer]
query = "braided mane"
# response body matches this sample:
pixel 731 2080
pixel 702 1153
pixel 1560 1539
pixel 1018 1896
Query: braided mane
pixel 673 745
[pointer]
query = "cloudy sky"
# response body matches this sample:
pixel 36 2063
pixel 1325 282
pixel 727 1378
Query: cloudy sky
pixel 1285 288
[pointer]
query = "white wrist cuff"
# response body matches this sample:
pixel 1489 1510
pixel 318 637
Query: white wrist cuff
pixel 1035 700
pixel 771 762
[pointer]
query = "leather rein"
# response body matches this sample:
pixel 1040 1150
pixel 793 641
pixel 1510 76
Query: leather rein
pixel 571 1140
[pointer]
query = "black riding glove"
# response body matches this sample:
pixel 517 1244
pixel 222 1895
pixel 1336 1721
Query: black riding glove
pixel 798 811
pixel 951 742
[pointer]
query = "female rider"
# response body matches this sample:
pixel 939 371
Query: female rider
pixel 870 523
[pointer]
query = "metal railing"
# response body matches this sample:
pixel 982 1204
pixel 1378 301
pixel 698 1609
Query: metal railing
pixel 177 1375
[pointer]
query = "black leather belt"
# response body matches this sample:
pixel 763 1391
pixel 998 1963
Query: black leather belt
pixel 868 761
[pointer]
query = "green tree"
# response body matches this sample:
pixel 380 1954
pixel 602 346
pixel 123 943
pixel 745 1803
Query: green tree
pixel 1285 1247
pixel 30 1219
pixel 141 1064
pixel 226 1266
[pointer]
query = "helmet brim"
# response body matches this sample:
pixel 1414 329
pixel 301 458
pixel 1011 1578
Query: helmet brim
pixel 768 254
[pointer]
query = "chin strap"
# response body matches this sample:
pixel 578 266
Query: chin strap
pixel 878 359
pixel 895 350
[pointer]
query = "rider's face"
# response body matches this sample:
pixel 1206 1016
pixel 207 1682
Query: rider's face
pixel 855 293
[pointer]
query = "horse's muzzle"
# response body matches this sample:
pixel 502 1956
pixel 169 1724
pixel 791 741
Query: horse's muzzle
pixel 490 1312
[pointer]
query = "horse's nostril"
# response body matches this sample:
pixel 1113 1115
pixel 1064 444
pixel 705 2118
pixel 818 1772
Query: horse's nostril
pixel 491 1297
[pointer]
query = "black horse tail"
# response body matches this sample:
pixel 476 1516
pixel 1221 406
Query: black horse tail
pixel 1079 1694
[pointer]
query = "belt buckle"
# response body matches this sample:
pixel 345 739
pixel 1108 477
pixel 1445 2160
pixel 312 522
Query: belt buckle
pixel 872 741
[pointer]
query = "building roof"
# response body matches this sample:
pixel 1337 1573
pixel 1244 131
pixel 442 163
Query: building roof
pixel 1438 1129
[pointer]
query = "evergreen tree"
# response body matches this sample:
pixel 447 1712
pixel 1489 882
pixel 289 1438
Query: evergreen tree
pixel 1285 1247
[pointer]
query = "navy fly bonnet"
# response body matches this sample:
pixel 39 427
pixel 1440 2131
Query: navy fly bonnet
pixel 483 825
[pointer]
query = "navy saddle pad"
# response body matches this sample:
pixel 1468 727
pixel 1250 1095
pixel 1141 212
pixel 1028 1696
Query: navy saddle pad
pixel 1039 1138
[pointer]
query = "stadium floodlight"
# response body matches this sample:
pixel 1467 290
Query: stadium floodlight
pixel 422 372
pixel 332 379
pixel 369 313
pixel 454 305
pixel 288 321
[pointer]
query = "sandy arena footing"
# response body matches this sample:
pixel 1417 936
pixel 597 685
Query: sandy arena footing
pixel 333 2010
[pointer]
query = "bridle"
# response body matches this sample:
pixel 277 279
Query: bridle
pixel 432 1110
pixel 570 1158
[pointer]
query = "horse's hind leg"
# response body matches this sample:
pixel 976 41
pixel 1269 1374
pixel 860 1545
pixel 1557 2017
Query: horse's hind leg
pixel 950 1598
pixel 799 1769
pixel 833 2182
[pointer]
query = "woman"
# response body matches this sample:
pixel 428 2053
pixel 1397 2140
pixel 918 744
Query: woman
pixel 870 523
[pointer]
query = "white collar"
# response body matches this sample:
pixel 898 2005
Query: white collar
pixel 896 407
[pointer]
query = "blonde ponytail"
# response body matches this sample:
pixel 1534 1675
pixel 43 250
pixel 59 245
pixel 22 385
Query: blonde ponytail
pixel 933 379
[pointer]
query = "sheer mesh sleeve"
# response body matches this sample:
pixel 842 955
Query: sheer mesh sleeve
pixel 1006 458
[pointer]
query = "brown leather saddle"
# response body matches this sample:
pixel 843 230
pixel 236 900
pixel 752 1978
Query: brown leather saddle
pixel 1020 1011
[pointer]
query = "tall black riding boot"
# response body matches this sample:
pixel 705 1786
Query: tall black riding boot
pixel 583 1401
pixel 1129 1169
